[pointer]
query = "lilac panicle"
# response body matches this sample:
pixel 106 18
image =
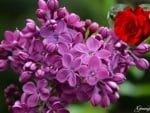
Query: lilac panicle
pixel 64 60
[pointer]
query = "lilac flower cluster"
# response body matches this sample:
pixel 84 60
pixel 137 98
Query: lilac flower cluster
pixel 66 60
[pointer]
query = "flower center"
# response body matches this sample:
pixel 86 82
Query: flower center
pixel 51 67
pixel 91 53
pixel 43 53
pixel 92 73
pixel 56 37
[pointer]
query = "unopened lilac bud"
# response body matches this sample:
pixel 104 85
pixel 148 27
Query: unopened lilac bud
pixel 108 89
pixel 62 12
pixel 23 56
pixel 31 26
pixel 142 49
pixel 88 22
pixel 27 65
pixel 95 99
pixel 113 85
pixel 3 64
pixel 33 66
pixel 30 65
pixel 119 78
pixel 52 4
pixel 16 34
pixel 105 101
pixel 40 13
pixel 39 73
pixel 73 19
pixel 114 97
pixel 104 31
pixel 98 37
pixel 82 30
pixel 93 27
pixel 25 76
pixel 142 64
pixel 42 4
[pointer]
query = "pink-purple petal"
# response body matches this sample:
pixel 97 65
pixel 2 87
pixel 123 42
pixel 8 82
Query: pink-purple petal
pixel 60 27
pixel 93 44
pixel 76 63
pixel 72 79
pixel 102 73
pixel 44 94
pixel 91 80
pixel 67 60
pixel 9 36
pixel 83 70
pixel 81 48
pixel 103 53
pixel 29 88
pixel 32 100
pixel 42 83
pixel 94 63
pixel 62 75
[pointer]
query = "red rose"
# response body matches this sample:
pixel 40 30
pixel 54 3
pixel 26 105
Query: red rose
pixel 132 27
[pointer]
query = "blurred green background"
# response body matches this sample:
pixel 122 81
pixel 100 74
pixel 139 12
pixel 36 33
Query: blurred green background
pixel 135 91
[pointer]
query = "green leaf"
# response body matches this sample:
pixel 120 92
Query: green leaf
pixel 135 90
pixel 146 7
pixel 113 11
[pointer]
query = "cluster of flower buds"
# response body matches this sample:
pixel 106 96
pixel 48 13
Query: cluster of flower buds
pixel 66 60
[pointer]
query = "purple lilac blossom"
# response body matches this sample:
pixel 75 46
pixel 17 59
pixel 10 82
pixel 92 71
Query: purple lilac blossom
pixel 65 60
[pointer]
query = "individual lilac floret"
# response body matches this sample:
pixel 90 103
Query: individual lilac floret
pixel 52 64
pixel 36 93
pixel 94 71
pixel 89 49
pixel 68 73
pixel 56 107
pixel 19 107
pixel 55 33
